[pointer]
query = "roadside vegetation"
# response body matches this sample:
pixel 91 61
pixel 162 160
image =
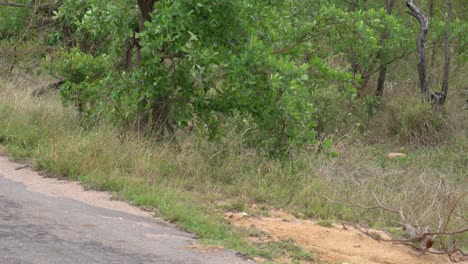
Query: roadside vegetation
pixel 248 113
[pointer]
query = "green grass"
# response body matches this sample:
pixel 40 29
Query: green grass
pixel 287 249
pixel 182 185
pixel 194 182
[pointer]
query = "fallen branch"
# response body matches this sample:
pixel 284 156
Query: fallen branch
pixel 21 167
pixel 51 86
pixel 416 233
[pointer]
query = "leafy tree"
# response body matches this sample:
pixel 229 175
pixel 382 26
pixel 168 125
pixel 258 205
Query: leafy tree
pixel 195 59
pixel 268 67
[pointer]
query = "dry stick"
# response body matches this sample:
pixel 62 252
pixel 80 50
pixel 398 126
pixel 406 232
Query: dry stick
pixel 20 74
pixel 21 167
pixel 442 242
pixel 388 208
pixel 345 204
pixel 36 7
pixel 434 200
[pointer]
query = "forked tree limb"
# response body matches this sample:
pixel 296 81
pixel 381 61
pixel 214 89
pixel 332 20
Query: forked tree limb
pixel 424 28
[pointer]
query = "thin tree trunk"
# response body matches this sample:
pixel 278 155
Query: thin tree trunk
pixel 390 4
pixel 142 116
pixel 356 67
pixel 424 28
pixel 445 83
pixel 434 43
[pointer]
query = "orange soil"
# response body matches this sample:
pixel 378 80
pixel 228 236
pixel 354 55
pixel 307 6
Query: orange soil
pixel 334 245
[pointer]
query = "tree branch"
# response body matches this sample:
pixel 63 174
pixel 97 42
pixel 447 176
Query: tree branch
pixel 388 63
pixel 345 204
pixel 10 4
pixel 424 28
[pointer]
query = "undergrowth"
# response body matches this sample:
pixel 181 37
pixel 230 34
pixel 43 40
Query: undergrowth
pixel 193 182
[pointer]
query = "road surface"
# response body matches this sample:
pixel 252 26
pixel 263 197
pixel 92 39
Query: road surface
pixel 44 220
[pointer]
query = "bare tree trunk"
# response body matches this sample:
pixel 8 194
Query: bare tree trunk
pixel 424 28
pixel 390 4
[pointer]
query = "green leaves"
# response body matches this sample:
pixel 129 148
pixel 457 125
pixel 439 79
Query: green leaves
pixel 211 60
pixel 83 74
pixel 277 69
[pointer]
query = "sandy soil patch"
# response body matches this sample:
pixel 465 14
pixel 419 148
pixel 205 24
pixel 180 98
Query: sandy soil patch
pixel 335 244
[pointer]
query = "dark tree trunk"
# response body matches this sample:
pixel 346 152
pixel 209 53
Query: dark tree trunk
pixel 156 111
pixel 390 4
pixel 424 28
pixel 381 82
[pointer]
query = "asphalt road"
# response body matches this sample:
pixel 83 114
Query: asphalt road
pixel 37 227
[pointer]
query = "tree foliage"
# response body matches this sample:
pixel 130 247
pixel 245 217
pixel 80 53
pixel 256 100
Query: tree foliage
pixel 284 72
